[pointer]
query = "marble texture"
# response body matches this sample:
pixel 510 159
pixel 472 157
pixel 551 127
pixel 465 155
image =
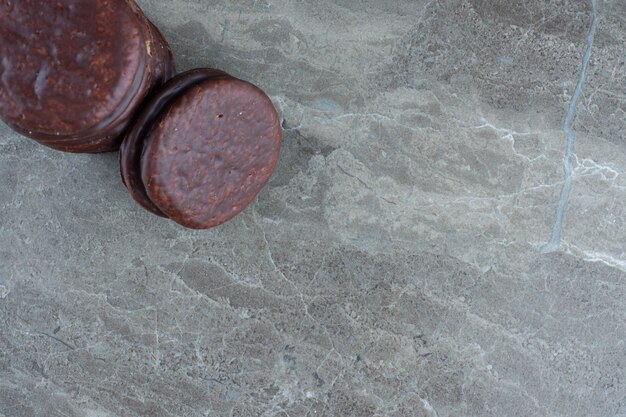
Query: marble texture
pixel 396 265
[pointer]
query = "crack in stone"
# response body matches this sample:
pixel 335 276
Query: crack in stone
pixel 39 332
pixel 555 238
pixel 608 259
pixel 508 134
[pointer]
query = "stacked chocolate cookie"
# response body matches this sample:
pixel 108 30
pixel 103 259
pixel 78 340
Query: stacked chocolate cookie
pixel 90 76
pixel 73 73
pixel 201 149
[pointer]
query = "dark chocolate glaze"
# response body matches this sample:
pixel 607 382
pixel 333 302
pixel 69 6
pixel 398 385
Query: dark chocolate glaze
pixel 132 146
pixel 73 73
pixel 202 149
pixel 211 152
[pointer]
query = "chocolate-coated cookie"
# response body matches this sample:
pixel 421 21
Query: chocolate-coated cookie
pixel 202 148
pixel 74 72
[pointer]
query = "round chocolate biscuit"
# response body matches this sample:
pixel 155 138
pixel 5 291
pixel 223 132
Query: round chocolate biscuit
pixel 202 148
pixel 73 73
pixel 132 146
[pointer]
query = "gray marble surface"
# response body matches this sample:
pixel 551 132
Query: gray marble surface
pixel 408 257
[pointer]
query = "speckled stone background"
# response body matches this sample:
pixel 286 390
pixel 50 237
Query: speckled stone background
pixel 398 263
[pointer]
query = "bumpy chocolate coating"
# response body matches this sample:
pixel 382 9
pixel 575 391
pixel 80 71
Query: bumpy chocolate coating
pixel 202 149
pixel 73 73
pixel 132 146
